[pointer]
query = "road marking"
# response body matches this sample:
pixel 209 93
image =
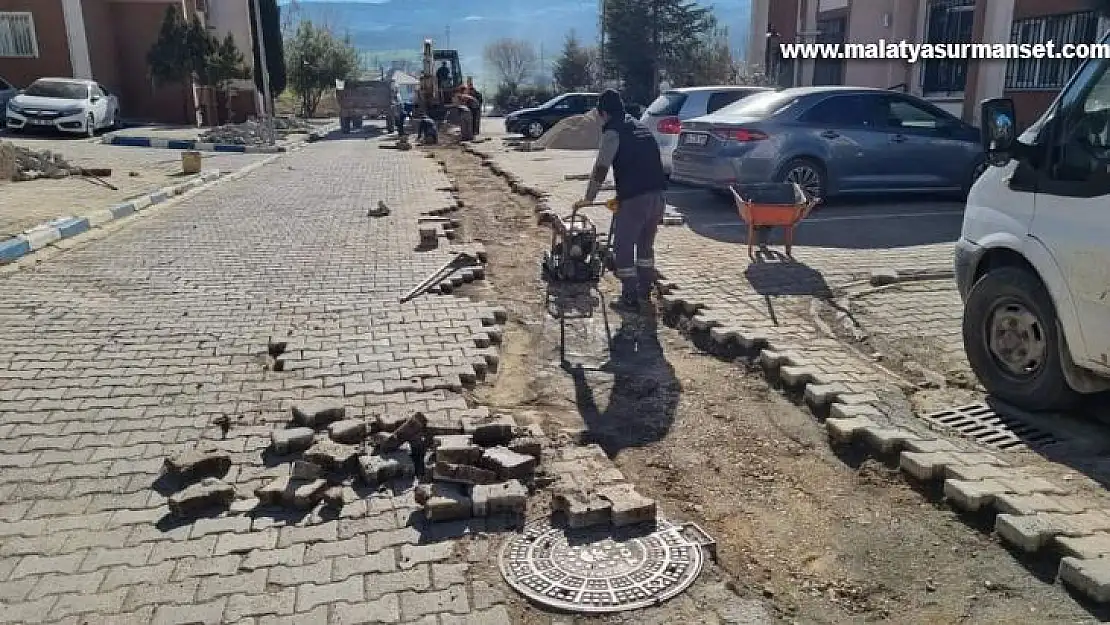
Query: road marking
pixel 841 218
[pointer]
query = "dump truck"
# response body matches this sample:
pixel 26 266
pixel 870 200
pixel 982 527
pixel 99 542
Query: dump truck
pixel 363 99
pixel 432 98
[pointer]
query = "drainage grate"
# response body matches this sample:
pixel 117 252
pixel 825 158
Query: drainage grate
pixel 598 571
pixel 981 423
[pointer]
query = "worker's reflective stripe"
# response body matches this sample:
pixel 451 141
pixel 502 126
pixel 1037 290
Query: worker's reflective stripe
pixel 625 272
pixel 647 263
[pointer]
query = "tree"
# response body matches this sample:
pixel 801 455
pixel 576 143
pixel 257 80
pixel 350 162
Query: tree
pixel 512 60
pixel 316 58
pixel 572 68
pixel 644 36
pixel 187 52
pixel 709 62
pixel 275 57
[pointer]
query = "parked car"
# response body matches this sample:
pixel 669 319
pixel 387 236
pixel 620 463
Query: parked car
pixel 7 92
pixel 665 115
pixel 830 140
pixel 63 104
pixel 533 122
pixel 1031 262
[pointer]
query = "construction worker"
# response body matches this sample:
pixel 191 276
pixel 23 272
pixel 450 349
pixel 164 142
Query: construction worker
pixel 476 112
pixel 443 77
pixel 466 105
pixel 629 147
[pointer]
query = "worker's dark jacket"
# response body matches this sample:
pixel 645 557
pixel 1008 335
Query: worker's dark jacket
pixel 637 168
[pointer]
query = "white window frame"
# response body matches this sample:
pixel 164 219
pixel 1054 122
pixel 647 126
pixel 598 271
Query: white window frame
pixel 34 34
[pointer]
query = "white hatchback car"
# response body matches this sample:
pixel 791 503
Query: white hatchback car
pixel 65 104
pixel 665 115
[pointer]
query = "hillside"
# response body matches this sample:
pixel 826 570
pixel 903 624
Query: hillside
pixel 383 28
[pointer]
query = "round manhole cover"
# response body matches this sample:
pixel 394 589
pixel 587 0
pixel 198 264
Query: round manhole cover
pixel 599 570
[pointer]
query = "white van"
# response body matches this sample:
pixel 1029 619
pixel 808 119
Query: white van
pixel 1033 259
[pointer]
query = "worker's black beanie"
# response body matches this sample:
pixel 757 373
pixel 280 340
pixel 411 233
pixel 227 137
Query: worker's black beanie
pixel 610 103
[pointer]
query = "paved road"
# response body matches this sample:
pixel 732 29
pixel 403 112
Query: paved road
pixel 122 351
pixel 852 223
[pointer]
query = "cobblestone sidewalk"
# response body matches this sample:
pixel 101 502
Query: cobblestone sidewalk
pixel 762 309
pixel 117 355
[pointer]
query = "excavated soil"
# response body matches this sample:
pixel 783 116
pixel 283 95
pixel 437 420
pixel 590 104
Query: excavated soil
pixel 816 538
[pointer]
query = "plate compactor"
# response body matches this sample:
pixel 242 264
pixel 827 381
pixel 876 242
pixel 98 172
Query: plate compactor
pixel 579 253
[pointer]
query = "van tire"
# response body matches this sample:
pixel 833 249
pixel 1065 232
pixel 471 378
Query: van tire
pixel 1015 292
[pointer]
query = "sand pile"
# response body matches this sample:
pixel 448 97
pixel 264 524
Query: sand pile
pixel 580 132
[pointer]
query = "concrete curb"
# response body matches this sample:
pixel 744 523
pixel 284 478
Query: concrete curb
pixel 1029 513
pixel 187 144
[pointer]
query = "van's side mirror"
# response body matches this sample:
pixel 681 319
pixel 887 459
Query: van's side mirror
pixel 999 131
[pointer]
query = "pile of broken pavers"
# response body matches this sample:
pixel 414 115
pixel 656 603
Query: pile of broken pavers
pixel 481 465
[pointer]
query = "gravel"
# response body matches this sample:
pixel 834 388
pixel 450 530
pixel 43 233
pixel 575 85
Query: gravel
pixel 579 132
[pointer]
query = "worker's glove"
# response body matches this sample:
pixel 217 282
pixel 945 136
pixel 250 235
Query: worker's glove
pixel 581 203
pixel 612 204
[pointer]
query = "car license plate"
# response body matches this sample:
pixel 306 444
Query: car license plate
pixel 695 139
pixel 41 122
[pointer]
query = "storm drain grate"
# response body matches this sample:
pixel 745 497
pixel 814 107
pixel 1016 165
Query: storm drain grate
pixel 981 423
pixel 596 571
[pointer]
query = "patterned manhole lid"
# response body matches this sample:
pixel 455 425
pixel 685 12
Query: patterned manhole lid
pixel 1001 431
pixel 600 570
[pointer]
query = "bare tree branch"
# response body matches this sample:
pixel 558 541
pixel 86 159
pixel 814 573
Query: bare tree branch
pixel 511 59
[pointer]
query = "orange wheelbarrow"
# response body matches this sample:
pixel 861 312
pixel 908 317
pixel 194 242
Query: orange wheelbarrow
pixel 765 205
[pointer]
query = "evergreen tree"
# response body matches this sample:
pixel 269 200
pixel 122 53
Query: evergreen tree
pixel 644 37
pixel 572 69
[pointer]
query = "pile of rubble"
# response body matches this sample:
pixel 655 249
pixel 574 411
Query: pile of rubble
pixel 254 132
pixel 19 164
pixel 250 132
pixel 478 466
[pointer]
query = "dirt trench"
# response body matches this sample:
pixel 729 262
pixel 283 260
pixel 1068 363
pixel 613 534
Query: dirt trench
pixel 817 538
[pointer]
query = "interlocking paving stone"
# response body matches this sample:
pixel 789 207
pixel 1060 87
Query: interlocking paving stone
pixel 122 350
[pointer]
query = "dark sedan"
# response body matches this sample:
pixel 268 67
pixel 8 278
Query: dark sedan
pixel 830 140
pixel 533 122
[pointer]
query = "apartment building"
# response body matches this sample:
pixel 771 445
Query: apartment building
pixel 108 40
pixel 955 85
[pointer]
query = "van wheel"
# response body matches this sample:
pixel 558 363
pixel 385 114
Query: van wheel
pixel 1012 340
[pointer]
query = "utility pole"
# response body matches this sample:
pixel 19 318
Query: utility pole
pixel 542 76
pixel 447 37
pixel 267 100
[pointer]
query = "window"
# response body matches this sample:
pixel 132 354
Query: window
pixel 949 21
pixel 722 99
pixel 842 111
pixel 830 71
pixel 1061 29
pixel 17 35
pixel 905 114
pixel 670 103
pixel 764 104
pixel 1085 153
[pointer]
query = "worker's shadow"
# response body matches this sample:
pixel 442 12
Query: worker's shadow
pixel 641 387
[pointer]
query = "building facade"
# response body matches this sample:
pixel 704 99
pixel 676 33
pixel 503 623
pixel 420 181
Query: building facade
pixel 955 85
pixel 107 41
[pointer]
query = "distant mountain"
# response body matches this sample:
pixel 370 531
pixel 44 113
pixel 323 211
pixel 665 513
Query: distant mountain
pixel 387 29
